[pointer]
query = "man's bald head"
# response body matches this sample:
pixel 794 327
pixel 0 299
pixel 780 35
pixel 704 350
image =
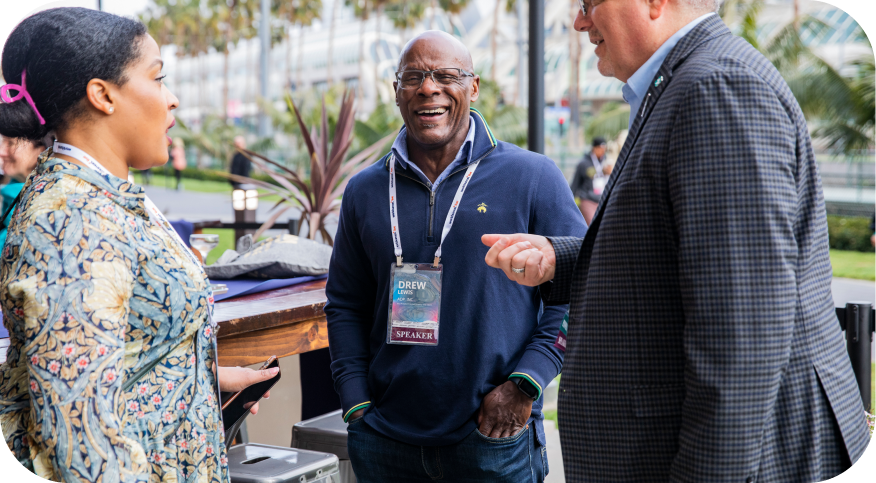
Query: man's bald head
pixel 436 44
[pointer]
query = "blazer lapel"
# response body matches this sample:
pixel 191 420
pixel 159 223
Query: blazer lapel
pixel 707 29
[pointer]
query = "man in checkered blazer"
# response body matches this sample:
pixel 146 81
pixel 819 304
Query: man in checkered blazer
pixel 702 344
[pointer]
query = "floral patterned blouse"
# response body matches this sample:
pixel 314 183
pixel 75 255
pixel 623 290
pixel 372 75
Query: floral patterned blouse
pixel 108 375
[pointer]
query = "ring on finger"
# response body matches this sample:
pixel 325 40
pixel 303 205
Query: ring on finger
pixel 518 270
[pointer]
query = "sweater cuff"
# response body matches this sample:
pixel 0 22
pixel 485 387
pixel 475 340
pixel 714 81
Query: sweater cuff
pixel 537 368
pixel 354 395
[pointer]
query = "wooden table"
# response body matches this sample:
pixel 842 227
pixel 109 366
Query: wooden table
pixel 279 322
pixel 254 327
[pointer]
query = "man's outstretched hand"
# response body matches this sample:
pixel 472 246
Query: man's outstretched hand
pixel 533 253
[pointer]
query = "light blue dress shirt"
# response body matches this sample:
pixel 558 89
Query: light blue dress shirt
pixel 400 149
pixel 637 85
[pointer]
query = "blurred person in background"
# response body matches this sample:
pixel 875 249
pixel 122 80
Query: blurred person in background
pixel 240 164
pixel 178 159
pixel 18 158
pixel 590 178
pixel 109 374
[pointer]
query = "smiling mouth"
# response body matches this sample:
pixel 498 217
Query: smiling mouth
pixel 431 115
pixel 597 42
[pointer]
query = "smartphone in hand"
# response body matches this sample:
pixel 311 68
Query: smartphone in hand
pixel 236 408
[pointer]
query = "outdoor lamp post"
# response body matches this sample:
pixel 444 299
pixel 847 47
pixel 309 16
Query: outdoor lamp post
pixel 245 201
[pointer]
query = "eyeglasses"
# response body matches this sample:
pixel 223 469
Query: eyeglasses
pixel 447 76
pixel 586 5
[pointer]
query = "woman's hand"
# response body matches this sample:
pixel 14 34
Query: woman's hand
pixel 234 379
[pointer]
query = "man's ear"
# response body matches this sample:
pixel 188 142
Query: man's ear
pixel 395 88
pixel 101 95
pixel 657 8
pixel 475 88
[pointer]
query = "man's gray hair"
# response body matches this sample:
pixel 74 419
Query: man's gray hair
pixel 704 5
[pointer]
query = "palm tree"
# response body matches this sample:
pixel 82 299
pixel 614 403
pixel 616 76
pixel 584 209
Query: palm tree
pixel 839 107
pixel 331 41
pixel 362 10
pixel 494 35
pixel 235 18
pixel 407 13
pixel 379 5
pixel 301 13
pixel 453 9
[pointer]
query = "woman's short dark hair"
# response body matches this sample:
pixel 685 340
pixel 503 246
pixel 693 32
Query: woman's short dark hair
pixel 62 50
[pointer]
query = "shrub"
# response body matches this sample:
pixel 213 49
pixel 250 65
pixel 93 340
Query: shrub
pixel 849 233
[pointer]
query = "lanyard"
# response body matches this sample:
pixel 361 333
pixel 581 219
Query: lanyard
pixel 448 222
pixel 161 221
pixel 154 212
pixel 597 165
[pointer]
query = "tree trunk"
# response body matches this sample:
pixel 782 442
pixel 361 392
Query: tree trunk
pixel 289 59
pixel 575 70
pixel 521 56
pixel 797 15
pixel 225 83
pixel 494 37
pixel 360 90
pixel 331 43
pixel 298 81
pixel 250 91
pixel 377 47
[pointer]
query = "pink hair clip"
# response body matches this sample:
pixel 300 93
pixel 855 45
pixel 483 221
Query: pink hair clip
pixel 22 92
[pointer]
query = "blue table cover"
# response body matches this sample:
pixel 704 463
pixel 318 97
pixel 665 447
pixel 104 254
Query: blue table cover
pixel 248 286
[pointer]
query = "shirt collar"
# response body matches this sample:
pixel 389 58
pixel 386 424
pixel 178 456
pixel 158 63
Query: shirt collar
pixel 120 191
pixel 400 150
pixel 639 83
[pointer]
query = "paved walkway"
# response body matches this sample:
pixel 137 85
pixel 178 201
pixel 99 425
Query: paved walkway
pixel 197 206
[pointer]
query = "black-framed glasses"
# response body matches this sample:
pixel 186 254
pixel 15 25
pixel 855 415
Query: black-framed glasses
pixel 446 76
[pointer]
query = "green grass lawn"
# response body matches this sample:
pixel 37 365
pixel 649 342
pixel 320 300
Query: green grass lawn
pixel 226 242
pixel 848 264
pixel 198 186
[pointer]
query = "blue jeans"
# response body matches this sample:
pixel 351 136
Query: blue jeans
pixel 477 458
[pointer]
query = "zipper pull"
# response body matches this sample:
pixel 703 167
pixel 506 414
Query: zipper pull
pixel 432 198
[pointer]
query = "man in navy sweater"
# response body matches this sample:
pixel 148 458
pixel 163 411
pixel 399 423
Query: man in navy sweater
pixel 468 408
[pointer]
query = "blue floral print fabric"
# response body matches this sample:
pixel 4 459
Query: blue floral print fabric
pixel 108 376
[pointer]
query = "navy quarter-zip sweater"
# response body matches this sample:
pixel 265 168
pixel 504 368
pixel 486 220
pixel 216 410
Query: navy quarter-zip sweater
pixel 490 327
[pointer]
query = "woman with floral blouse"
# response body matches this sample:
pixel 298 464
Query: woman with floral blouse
pixel 109 375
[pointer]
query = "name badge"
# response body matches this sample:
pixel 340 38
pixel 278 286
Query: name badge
pixel 599 184
pixel 414 304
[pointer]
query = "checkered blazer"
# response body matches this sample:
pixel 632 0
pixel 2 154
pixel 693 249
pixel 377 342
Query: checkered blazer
pixel 703 344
